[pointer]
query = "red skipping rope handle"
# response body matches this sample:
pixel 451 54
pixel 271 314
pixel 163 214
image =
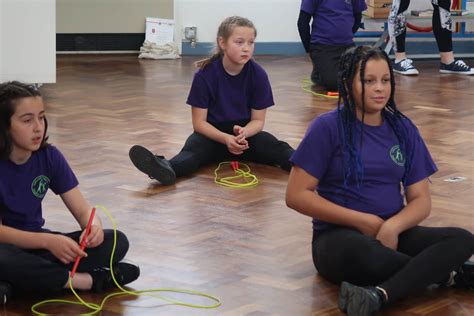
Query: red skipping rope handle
pixel 83 242
pixel 234 165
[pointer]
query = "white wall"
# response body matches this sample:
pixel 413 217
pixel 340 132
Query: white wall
pixel 28 40
pixel 275 20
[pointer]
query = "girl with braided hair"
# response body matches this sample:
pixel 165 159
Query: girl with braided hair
pixel 351 173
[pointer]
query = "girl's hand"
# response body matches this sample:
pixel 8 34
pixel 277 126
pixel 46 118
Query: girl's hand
pixel 234 147
pixel 371 225
pixel 240 135
pixel 95 238
pixel 238 130
pixel 388 236
pixel 64 248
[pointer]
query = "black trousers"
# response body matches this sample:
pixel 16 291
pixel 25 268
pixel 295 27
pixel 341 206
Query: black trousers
pixel 39 270
pixel 325 60
pixel 443 35
pixel 199 151
pixel 425 256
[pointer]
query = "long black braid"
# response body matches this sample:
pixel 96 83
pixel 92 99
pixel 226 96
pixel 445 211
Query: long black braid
pixel 355 59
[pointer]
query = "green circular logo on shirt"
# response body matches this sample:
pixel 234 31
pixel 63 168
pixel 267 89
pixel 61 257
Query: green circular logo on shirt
pixel 40 186
pixel 397 155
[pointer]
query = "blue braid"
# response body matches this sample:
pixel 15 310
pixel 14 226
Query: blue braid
pixel 352 162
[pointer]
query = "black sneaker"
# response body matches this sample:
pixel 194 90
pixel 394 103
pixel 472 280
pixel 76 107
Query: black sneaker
pixel 456 67
pixel 156 167
pixel 359 301
pixel 464 277
pixel 405 67
pixel 5 292
pixel 124 273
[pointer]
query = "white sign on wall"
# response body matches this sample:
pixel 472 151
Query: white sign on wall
pixel 159 31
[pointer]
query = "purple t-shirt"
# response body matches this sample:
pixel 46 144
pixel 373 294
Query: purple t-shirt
pixel 23 187
pixel 380 194
pixel 230 98
pixel 332 20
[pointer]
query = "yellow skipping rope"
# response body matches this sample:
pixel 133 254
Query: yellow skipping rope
pixel 306 86
pixel 96 308
pixel 242 178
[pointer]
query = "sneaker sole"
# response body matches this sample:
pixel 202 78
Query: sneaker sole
pixel 343 297
pixel 145 161
pixel 466 73
pixel 413 73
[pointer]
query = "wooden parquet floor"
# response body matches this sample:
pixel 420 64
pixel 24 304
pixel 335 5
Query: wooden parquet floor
pixel 243 245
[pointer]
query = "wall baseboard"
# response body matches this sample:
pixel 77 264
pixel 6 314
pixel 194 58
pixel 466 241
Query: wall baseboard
pixel 417 47
pixel 99 42
pixel 414 47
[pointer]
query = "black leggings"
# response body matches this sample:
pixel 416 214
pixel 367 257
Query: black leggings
pixel 199 151
pixel 425 256
pixel 442 34
pixel 325 60
pixel 39 270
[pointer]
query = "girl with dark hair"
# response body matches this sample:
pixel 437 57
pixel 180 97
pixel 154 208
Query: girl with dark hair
pixel 363 159
pixel 31 256
pixel 229 98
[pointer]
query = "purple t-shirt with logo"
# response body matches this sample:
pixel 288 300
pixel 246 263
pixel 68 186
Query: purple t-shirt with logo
pixel 230 98
pixel 23 187
pixel 319 154
pixel 332 20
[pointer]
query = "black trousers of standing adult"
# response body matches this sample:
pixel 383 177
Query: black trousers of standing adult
pixel 199 151
pixel 40 271
pixel 443 36
pixel 425 256
pixel 325 60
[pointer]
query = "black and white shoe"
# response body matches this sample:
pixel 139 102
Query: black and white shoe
pixel 156 167
pixel 457 67
pixel 405 67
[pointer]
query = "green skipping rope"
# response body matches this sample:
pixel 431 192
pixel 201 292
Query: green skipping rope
pixel 306 86
pixel 96 308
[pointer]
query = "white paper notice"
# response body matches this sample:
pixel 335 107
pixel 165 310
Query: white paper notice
pixel 159 31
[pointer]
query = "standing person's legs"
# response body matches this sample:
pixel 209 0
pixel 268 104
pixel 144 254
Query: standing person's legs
pixel 326 62
pixel 267 149
pixel 397 32
pixel 397 27
pixel 442 29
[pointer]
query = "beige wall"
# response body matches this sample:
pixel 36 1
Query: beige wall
pixel 109 16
